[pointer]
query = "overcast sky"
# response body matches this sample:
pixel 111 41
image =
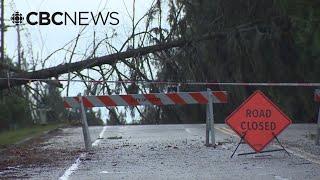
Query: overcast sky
pixel 47 39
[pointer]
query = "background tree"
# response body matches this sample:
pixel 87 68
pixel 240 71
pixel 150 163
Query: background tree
pixel 266 41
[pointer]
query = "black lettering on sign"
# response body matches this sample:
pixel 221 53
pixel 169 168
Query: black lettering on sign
pixel 261 126
pixel 258 113
pixel 254 126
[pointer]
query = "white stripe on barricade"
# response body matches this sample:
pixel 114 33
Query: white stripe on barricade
pixel 163 99
pixel 159 99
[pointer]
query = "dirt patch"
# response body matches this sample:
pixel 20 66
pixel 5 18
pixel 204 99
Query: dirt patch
pixel 32 154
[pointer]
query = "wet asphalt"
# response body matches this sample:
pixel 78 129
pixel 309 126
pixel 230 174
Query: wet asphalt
pixel 178 152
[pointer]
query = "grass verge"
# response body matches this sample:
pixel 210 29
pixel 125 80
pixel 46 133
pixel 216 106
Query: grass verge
pixel 12 137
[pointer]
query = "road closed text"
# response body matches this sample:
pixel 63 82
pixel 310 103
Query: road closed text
pixel 258 125
pixel 254 125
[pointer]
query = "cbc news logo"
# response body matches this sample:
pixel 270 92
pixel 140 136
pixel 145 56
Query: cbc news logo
pixel 66 18
pixel 17 18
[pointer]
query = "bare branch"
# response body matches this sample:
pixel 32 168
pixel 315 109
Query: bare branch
pixel 109 59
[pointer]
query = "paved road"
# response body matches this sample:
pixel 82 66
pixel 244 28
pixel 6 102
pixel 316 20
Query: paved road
pixel 178 152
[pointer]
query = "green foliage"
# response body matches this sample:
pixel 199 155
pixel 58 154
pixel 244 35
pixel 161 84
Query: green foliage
pixel 116 119
pixel 14 111
pixel 93 118
pixel 266 41
pixel 53 102
pixel 14 136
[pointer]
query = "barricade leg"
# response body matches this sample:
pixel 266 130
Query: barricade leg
pixel 211 117
pixel 318 129
pixel 85 128
pixel 207 125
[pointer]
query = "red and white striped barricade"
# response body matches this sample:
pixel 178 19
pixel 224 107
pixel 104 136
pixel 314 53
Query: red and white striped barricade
pixel 317 99
pixel 159 99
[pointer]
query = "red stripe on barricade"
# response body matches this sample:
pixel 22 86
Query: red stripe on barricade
pixel 317 97
pixel 66 105
pixel 153 99
pixel 176 99
pixel 77 99
pixel 199 98
pixel 106 100
pixel 222 96
pixel 130 100
pixel 87 103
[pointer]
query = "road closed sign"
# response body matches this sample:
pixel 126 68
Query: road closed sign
pixel 258 120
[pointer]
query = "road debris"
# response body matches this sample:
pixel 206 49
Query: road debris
pixel 114 137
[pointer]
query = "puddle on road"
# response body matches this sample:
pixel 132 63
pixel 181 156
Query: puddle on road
pixel 280 178
pixel 107 172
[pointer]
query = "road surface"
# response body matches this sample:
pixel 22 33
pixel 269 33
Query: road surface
pixel 172 152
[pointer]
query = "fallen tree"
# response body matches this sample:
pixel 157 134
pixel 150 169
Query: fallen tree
pixel 22 78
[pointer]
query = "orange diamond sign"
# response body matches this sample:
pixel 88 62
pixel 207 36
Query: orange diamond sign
pixel 258 120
